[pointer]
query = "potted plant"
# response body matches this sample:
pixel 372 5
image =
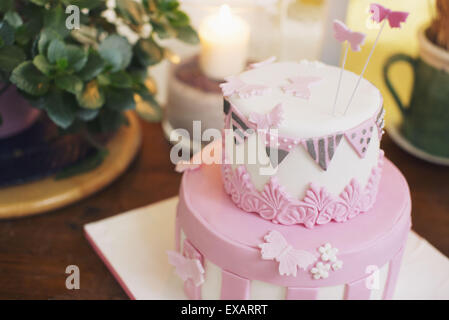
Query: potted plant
pixel 425 120
pixel 83 63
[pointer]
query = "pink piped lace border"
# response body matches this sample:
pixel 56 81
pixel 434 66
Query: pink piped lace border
pixel 318 206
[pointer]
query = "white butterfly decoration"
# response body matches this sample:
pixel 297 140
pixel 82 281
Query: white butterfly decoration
pixel 290 259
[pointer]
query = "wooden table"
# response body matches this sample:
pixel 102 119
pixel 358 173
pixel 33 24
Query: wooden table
pixel 35 251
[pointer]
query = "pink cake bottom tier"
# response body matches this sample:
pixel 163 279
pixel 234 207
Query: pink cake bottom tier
pixel 240 256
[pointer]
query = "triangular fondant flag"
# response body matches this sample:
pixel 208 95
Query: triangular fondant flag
pixel 226 106
pixel 239 136
pixel 281 154
pixel 380 122
pixel 322 150
pixel 360 137
pixel 240 128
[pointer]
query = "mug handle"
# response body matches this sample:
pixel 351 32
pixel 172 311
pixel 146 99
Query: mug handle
pixel 392 60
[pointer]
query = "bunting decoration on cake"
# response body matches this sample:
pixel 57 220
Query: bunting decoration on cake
pixel 300 86
pixel 322 149
pixel 354 40
pixel 380 122
pixel 226 110
pixel 240 128
pixel 379 14
pixel 277 248
pixel 276 155
pixel 226 106
pixel 360 137
pixel 234 85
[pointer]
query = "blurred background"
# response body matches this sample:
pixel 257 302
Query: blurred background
pixel 301 29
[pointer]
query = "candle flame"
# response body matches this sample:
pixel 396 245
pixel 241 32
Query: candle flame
pixel 225 15
pixel 225 11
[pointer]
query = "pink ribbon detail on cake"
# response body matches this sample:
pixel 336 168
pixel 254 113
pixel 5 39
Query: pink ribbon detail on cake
pixel 276 247
pixel 317 207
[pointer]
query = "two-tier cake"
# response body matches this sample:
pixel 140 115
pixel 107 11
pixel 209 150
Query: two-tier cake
pixel 303 205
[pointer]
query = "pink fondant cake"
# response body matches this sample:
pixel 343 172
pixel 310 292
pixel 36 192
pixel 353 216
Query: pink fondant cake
pixel 304 205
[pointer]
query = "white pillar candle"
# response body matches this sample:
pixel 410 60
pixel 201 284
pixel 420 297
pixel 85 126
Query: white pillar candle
pixel 224 44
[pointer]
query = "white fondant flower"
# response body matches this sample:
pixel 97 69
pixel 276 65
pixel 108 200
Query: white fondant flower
pixel 320 271
pixel 337 265
pixel 328 253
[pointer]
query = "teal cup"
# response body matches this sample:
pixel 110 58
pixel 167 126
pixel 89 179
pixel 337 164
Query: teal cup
pixel 425 121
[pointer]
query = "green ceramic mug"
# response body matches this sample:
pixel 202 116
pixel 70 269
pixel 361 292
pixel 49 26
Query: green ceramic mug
pixel 426 120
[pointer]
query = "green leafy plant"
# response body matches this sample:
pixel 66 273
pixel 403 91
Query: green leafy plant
pixel 85 78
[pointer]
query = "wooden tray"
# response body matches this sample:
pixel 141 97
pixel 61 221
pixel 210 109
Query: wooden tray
pixel 50 194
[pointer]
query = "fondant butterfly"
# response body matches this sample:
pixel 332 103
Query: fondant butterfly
pixel 269 120
pixel 187 268
pixel 234 85
pixel 290 259
pixel 300 86
pixel 380 13
pixel 342 33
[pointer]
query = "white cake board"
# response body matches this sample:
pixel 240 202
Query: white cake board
pixel 133 246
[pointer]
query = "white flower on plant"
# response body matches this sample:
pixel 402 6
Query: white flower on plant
pixel 111 4
pixel 320 271
pixel 328 253
pixel 337 265
pixel 145 32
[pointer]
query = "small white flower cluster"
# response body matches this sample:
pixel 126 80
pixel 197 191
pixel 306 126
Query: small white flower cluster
pixel 122 28
pixel 328 255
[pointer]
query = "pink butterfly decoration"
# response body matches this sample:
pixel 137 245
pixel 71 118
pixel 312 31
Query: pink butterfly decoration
pixel 266 62
pixel 187 268
pixel 234 85
pixel 380 13
pixel 269 120
pixel 300 86
pixel 342 33
pixel 290 259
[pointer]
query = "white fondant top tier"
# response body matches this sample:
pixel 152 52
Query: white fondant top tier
pixel 306 118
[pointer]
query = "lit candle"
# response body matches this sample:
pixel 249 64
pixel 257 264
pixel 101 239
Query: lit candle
pixel 224 44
